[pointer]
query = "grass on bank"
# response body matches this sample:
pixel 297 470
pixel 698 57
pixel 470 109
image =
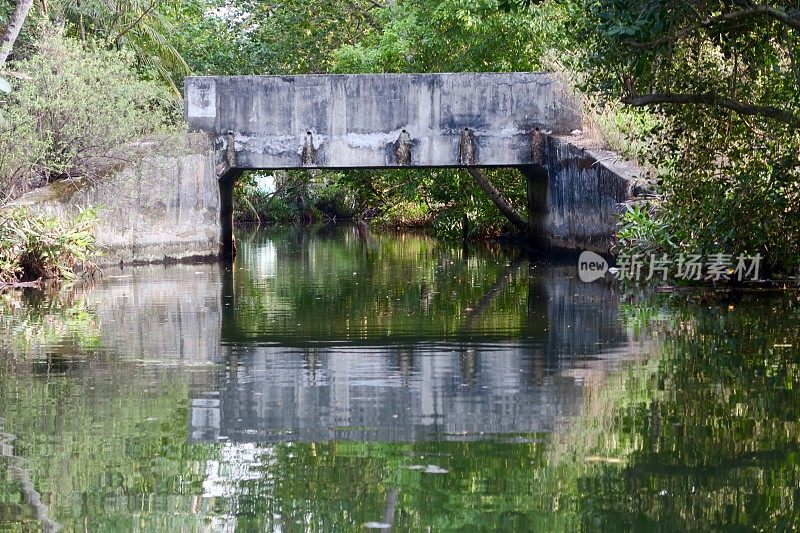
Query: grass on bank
pixel 34 245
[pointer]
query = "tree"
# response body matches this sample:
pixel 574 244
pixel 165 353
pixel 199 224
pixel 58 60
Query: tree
pixel 723 78
pixel 449 36
pixel 141 26
pixel 12 30
pixel 738 56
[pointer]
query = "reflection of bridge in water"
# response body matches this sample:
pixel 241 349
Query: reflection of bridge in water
pixel 519 362
pixel 398 394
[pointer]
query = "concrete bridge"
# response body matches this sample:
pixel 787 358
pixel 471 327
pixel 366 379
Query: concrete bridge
pixel 174 200
pixel 522 120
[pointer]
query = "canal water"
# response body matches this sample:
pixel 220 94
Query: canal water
pixel 340 380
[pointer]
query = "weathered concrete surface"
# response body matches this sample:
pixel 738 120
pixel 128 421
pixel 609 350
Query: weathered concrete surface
pixel 354 121
pixel 162 208
pixel 584 191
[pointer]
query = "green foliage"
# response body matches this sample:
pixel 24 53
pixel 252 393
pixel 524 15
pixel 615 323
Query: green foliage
pixel 299 197
pixel 641 232
pixel 334 200
pixel 437 198
pixel 725 152
pixel 142 27
pixel 31 321
pixel 254 206
pixel 409 287
pixel 723 80
pixel 39 246
pixel 404 214
pixel 254 37
pixel 749 204
pixel 450 36
pixel 209 43
pixel 73 113
pixel 725 387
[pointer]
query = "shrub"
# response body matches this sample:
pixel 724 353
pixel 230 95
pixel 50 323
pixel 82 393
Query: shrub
pixel 642 230
pixel 35 246
pixel 740 198
pixel 73 113
pixel 334 201
pixel 726 100
pixel 253 206
pixel 404 214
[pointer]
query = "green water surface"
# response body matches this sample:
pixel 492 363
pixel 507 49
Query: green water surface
pixel 337 380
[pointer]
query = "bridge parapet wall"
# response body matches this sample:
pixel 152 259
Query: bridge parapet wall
pixel 380 120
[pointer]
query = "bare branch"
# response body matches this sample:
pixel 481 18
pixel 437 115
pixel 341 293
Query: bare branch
pixel 712 99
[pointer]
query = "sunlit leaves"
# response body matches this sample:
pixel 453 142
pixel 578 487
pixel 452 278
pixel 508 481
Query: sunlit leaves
pixel 142 26
pixel 35 245
pixel 75 114
pixel 452 35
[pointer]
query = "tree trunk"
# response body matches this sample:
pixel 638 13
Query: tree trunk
pixel 502 204
pixel 13 28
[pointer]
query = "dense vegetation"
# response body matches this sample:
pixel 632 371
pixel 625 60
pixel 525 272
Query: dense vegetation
pixel 74 112
pixel 724 78
pixel 35 245
pixel 706 94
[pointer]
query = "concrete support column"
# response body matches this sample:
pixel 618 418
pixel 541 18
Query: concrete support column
pixel 537 181
pixel 226 182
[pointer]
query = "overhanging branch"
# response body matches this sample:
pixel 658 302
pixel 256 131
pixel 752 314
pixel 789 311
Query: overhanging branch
pixel 712 99
pixel 497 198
pixel 133 24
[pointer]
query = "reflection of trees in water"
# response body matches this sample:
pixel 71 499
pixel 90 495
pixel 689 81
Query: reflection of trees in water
pixel 91 447
pixel 505 325
pixel 352 287
pixel 19 472
pixel 47 325
pixel 703 435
